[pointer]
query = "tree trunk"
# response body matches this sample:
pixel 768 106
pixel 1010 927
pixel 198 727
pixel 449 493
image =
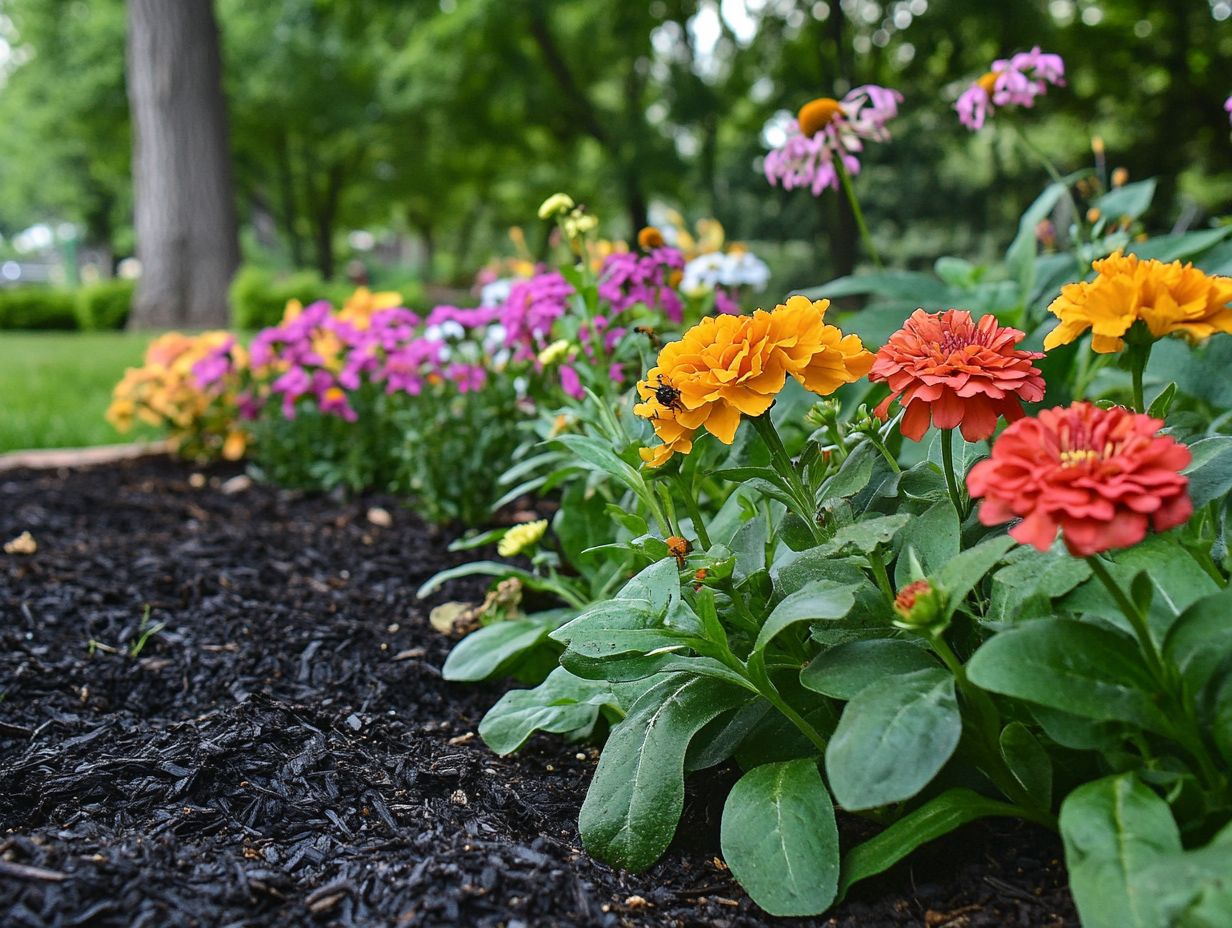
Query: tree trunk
pixel 184 203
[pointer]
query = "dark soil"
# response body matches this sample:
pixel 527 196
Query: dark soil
pixel 283 750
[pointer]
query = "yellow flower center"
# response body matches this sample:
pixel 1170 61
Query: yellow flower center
pixel 1079 456
pixel 817 114
pixel 988 82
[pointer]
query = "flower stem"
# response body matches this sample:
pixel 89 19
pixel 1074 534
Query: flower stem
pixel 987 737
pixel 695 513
pixel 947 465
pixel 758 676
pixel 804 507
pixel 1136 619
pixel 865 236
pixel 1139 355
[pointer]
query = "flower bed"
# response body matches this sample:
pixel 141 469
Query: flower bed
pixel 959 555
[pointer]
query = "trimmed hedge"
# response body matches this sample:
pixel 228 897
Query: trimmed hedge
pixel 38 308
pixel 104 306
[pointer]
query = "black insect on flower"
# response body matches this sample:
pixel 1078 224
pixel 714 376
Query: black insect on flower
pixel 667 395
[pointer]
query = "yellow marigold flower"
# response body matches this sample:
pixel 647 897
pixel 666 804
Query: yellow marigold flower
pixel 521 537
pixel 1170 299
pixel 728 366
pixel 360 306
pixel 291 311
pixel 554 352
pixel 556 204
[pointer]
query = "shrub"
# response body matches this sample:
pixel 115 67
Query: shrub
pixel 259 296
pixel 104 306
pixel 37 308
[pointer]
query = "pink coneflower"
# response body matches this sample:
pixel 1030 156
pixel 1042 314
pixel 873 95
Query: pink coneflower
pixel 1015 81
pixel 826 129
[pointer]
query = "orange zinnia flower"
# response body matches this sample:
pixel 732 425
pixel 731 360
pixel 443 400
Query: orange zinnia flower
pixel 728 366
pixel 955 372
pixel 1100 476
pixel 1168 298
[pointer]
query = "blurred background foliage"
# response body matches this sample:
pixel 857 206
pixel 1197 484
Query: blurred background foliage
pixel 412 135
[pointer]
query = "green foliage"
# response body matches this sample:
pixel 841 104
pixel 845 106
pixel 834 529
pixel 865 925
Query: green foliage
pixel 104 306
pixel 259 296
pixel 780 838
pixel 37 308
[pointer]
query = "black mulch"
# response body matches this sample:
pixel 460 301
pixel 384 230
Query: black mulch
pixel 283 751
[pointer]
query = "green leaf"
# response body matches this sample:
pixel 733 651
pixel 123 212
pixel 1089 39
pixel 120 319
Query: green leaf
pixel 853 474
pixel 1028 761
pixel 1179 245
pixel 796 569
pixel 659 584
pixel 893 738
pixel 1163 402
pixel 868 535
pixel 1191 890
pixel 1201 639
pixel 1076 667
pixel 1026 586
pixel 1210 471
pixel 821 599
pixel 482 653
pixel 749 546
pixel 963 572
pixel 1020 257
pixel 844 671
pixel 719 740
pixel 635 798
pixel 933 536
pixel 1113 830
pixel 780 839
pixel 1132 200
pixel 609 614
pixel 939 816
pixel 481 568
pixel 561 703
pixel 599 456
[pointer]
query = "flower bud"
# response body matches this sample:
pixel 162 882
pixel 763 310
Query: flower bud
pixel 556 204
pixel 919 605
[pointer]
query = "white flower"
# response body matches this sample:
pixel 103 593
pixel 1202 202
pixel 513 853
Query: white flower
pixel 495 293
pixel 702 273
pixel 744 269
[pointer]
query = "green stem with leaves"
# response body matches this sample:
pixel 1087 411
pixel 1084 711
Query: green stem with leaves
pixel 987 738
pixel 804 506
pixel 1185 729
pixel 694 511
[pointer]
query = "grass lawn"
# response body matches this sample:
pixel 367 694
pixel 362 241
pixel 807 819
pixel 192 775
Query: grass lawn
pixel 55 387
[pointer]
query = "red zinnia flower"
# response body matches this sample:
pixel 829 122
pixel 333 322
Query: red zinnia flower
pixel 957 372
pixel 1101 476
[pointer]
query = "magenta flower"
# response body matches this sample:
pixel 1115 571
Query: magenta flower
pixel 1227 105
pixel 533 305
pixel 627 279
pixel 570 382
pixel 826 129
pixel 1015 81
